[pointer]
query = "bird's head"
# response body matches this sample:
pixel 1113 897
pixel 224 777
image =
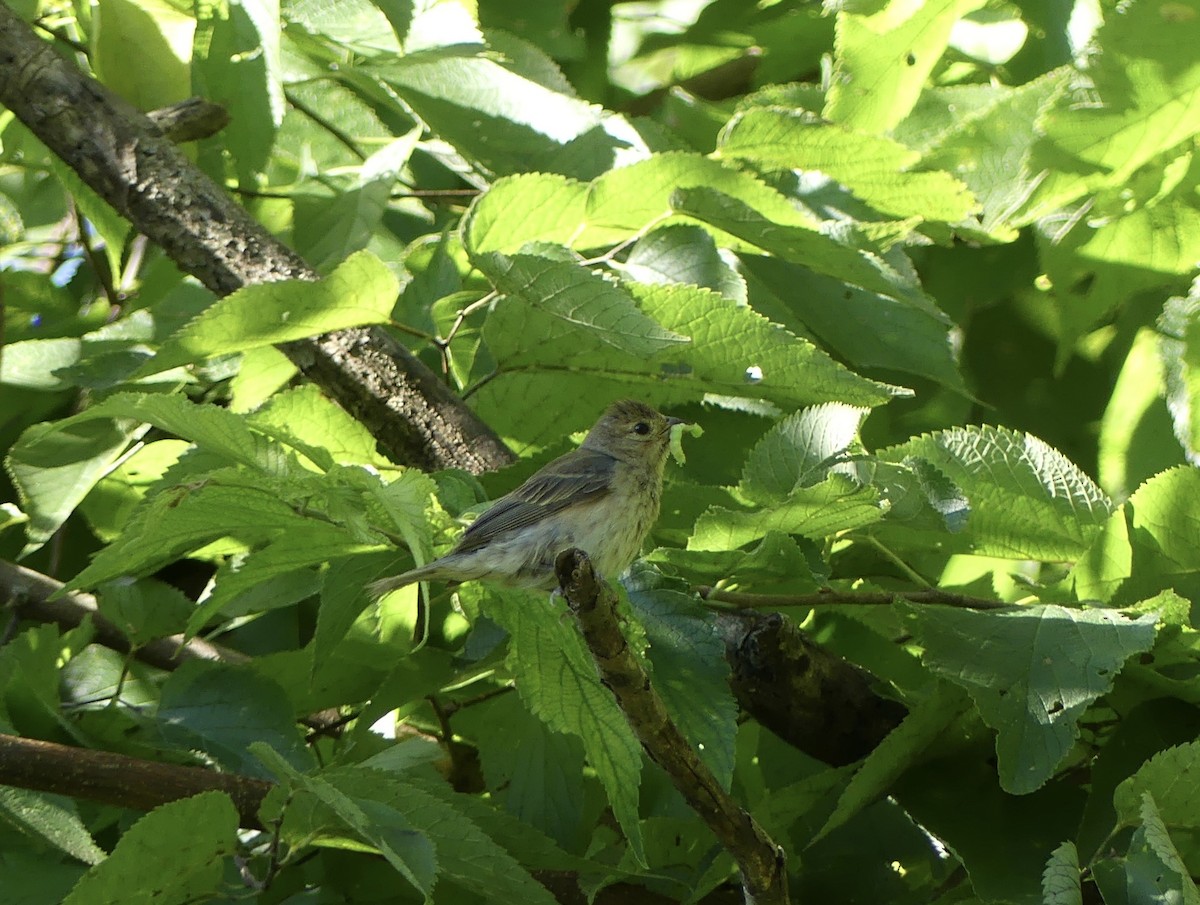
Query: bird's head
pixel 632 432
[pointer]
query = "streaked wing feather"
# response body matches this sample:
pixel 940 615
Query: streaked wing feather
pixel 582 475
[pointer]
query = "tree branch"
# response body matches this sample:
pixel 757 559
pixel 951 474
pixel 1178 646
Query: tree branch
pixel 812 699
pixel 30 595
pixel 127 160
pixel 831 597
pixel 117 779
pixel 594 605
pixel 29 592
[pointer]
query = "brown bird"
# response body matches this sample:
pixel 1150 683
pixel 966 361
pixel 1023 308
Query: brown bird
pixel 602 498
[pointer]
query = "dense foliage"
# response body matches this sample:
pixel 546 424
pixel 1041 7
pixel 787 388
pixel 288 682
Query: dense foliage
pixel 920 271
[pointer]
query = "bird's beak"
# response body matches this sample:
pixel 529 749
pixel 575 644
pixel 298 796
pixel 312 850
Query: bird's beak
pixel 671 422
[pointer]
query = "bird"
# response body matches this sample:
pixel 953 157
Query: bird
pixel 602 498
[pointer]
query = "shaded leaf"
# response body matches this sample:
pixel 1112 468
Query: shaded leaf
pixel 558 680
pixel 194 835
pixel 1031 671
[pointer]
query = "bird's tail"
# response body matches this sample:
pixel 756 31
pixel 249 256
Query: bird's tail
pixel 429 571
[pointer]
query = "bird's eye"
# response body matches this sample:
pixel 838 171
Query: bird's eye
pixel 641 428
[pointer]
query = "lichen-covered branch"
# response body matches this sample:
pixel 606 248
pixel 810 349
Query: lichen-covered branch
pixel 128 161
pixel 594 605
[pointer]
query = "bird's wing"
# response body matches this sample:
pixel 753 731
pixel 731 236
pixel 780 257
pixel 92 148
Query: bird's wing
pixel 583 475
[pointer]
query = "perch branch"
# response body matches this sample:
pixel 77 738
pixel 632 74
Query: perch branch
pixel 127 160
pixel 594 605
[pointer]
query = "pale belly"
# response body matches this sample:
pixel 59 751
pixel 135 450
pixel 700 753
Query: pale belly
pixel 610 531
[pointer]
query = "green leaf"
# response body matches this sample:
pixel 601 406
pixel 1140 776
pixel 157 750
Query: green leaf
pixel 209 427
pixel 361 290
pixel 1171 777
pixel 1060 880
pixel 227 504
pixel 154 34
pixel 556 676
pixel 467 856
pixel 1144 100
pixel 883 59
pixel 506 123
pixel 737 352
pixel 614 207
pixel 329 230
pixel 1136 430
pixel 1003 841
pixel 1106 564
pixel 548 302
pixel 1148 729
pixel 389 813
pixel 838 503
pixel 539 770
pixel 734 352
pixel 900 749
pixel 1153 549
pixel 990 148
pixel 385 828
pixel 34 879
pixel 441 24
pixel 51 818
pixel 145 609
pixel 1027 500
pixel 689 669
pixel 221 710
pixel 684 254
pixel 518 210
pixel 1127 246
pixel 1155 871
pixel 911 336
pixel 237 64
pixel 193 835
pixel 531 848
pixel 274 571
pixel 877 170
pixel 343 597
pixel 112 228
pixel 32 363
pixel 305 419
pixel 800 451
pixel 1179 347
pixel 799 244
pixel 54 466
pixel 365 27
pixel 777 558
pixel 1031 671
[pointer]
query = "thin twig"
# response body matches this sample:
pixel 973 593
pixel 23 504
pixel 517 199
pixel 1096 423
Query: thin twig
pixel 452 707
pixel 99 268
pixel 913 575
pixel 832 597
pixel 326 124
pixel 466 312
